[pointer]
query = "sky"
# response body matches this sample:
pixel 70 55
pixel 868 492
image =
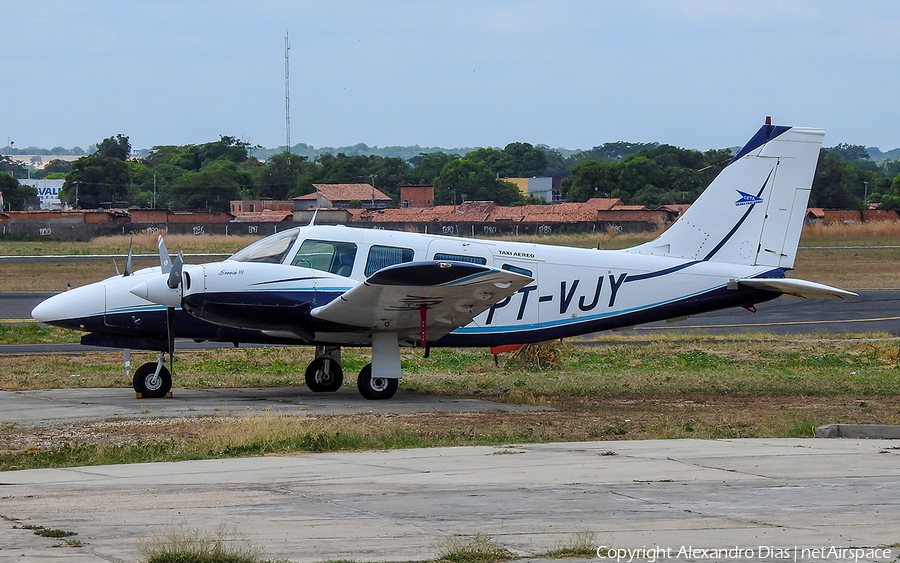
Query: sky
pixel 569 74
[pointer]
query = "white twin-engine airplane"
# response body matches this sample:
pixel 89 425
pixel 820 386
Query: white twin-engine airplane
pixel 334 286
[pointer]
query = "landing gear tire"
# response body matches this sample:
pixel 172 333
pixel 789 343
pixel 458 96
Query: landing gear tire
pixel 324 375
pixel 150 387
pixel 375 388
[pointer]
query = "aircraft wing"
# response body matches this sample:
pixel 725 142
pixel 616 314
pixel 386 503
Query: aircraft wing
pixel 450 294
pixel 797 288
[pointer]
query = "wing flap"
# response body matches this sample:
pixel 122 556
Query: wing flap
pixel 391 300
pixel 797 288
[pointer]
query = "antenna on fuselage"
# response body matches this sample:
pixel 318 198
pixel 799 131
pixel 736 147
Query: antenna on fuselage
pixel 312 220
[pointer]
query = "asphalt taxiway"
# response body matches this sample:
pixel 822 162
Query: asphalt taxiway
pixel 761 496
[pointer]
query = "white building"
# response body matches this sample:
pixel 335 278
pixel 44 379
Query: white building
pixel 48 192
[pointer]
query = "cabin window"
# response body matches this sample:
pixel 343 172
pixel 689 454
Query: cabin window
pixel 460 258
pixel 327 256
pixel 384 256
pixel 517 270
pixel 271 250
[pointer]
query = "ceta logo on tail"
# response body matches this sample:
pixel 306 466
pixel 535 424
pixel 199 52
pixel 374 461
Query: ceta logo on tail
pixel 747 199
pixel 335 286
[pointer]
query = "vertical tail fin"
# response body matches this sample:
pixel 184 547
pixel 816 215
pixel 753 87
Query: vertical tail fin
pixel 752 212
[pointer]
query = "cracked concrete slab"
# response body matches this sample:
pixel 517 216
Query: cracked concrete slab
pixel 400 505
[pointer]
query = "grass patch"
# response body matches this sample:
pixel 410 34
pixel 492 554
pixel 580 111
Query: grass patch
pixel 475 549
pixel 54 533
pixel 37 334
pixel 580 545
pixel 542 357
pixel 188 545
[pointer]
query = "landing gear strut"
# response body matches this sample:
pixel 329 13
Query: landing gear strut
pixel 153 379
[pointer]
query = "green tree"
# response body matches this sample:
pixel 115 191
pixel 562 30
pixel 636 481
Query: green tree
pixel 476 180
pixel 498 162
pixel 890 199
pixel 212 188
pixel 610 152
pixel 427 167
pixel 15 195
pixel 12 167
pixel 103 178
pixel 528 161
pixel 226 148
pixel 890 168
pixel 516 160
pixel 97 180
pixel 55 169
pixel 837 183
pixel 590 178
pixel 118 147
pixel 556 164
pixel 282 175
pixel 849 153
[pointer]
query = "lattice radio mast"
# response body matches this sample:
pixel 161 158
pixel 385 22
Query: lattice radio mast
pixel 287 91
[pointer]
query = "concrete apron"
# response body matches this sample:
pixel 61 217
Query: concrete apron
pixel 400 505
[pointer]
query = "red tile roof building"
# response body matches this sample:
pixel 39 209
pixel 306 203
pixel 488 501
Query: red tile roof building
pixel 341 196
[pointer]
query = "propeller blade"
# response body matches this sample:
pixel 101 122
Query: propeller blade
pixel 116 266
pixel 170 329
pixel 164 261
pixel 128 260
pixel 175 273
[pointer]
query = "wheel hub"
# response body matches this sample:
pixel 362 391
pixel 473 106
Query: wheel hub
pixel 379 383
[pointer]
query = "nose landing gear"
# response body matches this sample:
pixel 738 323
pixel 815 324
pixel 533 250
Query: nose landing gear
pixel 152 380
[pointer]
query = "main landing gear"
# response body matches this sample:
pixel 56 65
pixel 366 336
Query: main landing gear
pixel 325 374
pixel 375 388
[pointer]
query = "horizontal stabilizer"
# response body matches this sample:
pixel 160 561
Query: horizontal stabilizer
pixel 450 293
pixel 797 288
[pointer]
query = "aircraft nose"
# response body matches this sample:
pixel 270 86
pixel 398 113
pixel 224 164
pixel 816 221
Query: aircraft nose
pixel 49 309
pixel 71 306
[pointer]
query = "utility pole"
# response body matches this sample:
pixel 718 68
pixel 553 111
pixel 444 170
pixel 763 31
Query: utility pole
pixel 287 93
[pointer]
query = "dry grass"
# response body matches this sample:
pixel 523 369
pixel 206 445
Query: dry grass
pixel 472 549
pixel 850 268
pixel 144 243
pixel 581 545
pixel 180 544
pixel 610 240
pixel 878 233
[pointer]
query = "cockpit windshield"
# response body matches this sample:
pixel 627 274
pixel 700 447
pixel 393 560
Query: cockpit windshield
pixel 271 249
